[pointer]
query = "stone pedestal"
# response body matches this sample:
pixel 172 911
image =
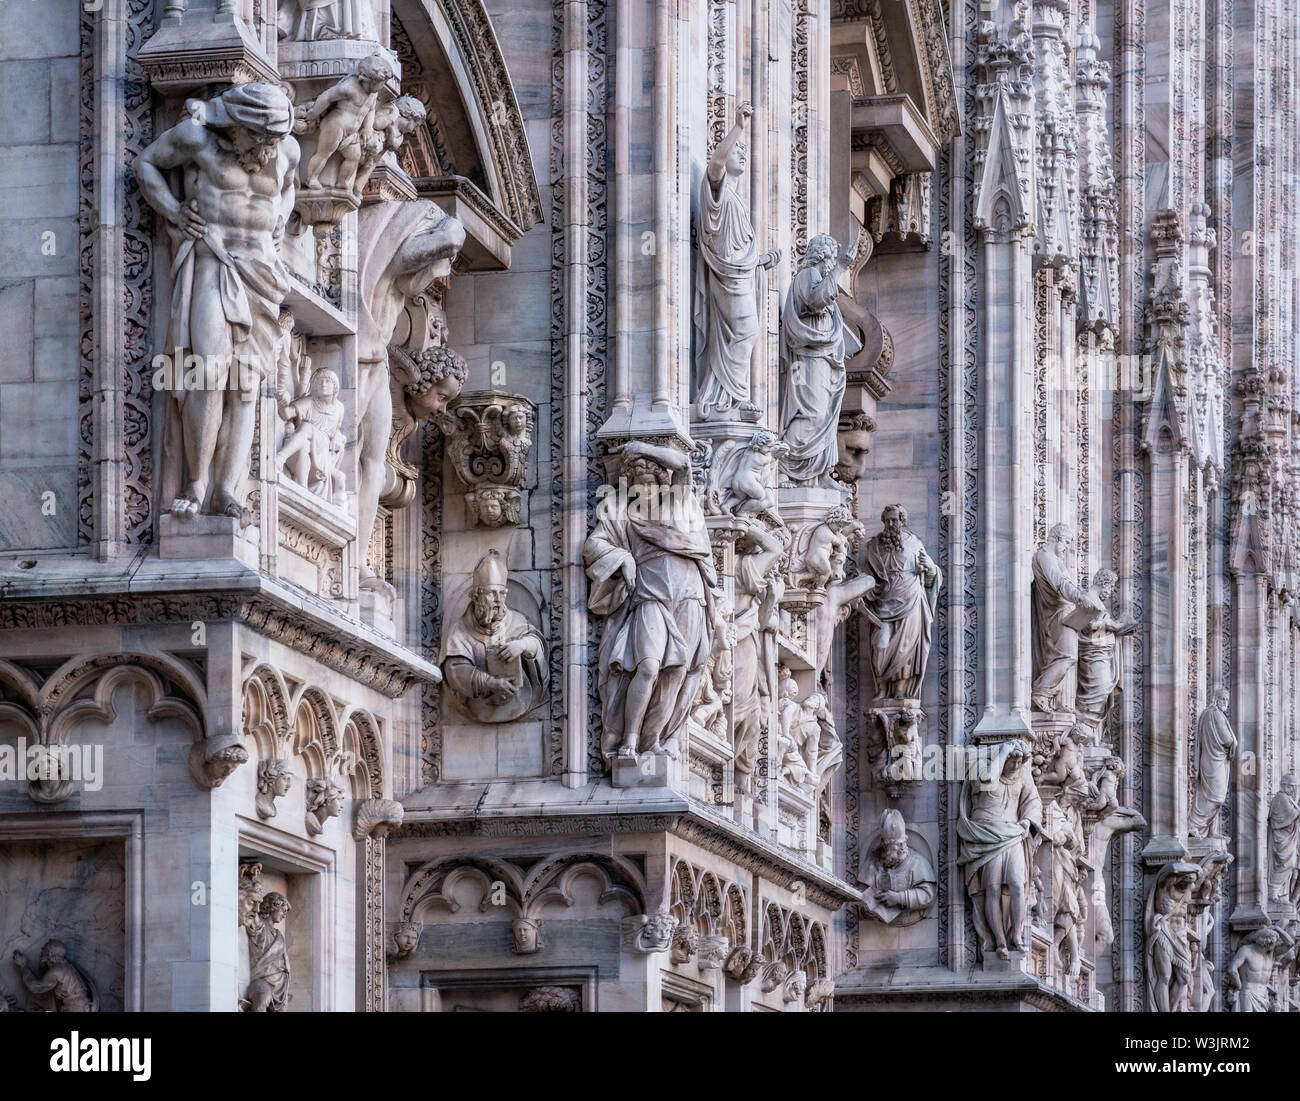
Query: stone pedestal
pixel 648 770
pixel 202 537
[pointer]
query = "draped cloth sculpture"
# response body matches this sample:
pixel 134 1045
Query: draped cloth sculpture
pixel 727 285
pixel 815 342
pixel 1284 843
pixel 237 164
pixel 1056 642
pixel 1169 948
pixel 996 828
pixel 651 568
pixel 1216 746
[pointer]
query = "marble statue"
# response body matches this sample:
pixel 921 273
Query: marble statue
pixel 313 20
pixel 840 600
pixel 791 757
pixel 819 994
pixel 1055 598
pixel 343 117
pixel 274 779
pixel 403 247
pixel 1283 839
pixel 235 162
pixel 493 659
pixel 686 941
pixel 406 939
pixel 714 948
pixel 754 648
pixel 743 476
pixel 795 987
pixel 900 608
pixel 1248 979
pixel 62 985
pixel 268 958
pixel 1216 747
pixel 1168 947
pixel 743 965
pixel 727 284
pixel 1098 653
pixel 314 440
pixel 650 562
pixel 526 936
pixel 821 550
pixel 324 801
pixel 1064 828
pixel 996 828
pixel 420 386
pixel 854 447
pixel 394 122
pixel 774 974
pixel 822 747
pixel 899 881
pixel 814 345
pixel 647 933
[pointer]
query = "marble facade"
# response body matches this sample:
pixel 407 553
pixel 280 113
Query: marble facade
pixel 612 391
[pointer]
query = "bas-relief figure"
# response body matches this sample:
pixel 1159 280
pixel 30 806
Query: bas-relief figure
pixel 268 957
pixel 406 938
pixel 1284 843
pixel 314 441
pixel 1168 947
pixel 403 247
pixel 488 440
pixel 997 826
pixel 1063 826
pixel 650 563
pixel 900 608
pixel 743 965
pixel 394 122
pixel 647 933
pixel 493 659
pixel 899 880
pixel 814 345
pixel 61 987
pixel 1216 748
pixel 526 936
pixel 1099 659
pixel 728 284
pixel 1059 608
pixel 235 162
pixel 551 999
pixel 1249 979
pixel 686 941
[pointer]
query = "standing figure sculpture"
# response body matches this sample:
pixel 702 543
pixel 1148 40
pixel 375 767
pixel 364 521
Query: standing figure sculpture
pixel 268 958
pixel 997 826
pixel 235 162
pixel 900 607
pixel 1169 946
pixel 815 342
pixel 62 983
pixel 1249 977
pixel 1099 661
pixel 651 568
pixel 344 118
pixel 754 653
pixel 1056 644
pixel 1284 843
pixel 727 283
pixel 1216 746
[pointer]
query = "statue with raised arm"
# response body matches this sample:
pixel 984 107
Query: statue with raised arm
pixel 727 283
pixel 223 180
pixel 650 562
pixel 815 342
pixel 900 607
pixel 61 982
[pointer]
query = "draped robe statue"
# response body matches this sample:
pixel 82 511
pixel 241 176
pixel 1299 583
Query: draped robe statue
pixel 815 342
pixel 1215 748
pixel 651 568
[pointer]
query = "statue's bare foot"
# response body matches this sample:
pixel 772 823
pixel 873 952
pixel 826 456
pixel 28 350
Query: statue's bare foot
pixel 223 504
pixel 627 753
pixel 185 507
pixel 1003 954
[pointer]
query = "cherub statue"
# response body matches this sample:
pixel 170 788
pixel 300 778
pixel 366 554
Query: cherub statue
pixel 793 764
pixel 393 122
pixel 311 452
pixel 344 117
pixel 743 475
pixel 1104 786
pixel 826 547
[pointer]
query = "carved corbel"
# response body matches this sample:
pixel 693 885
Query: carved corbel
pixel 375 817
pixel 214 758
pixel 647 933
pixel 489 438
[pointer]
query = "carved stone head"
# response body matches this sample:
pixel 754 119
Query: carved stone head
pixel 525 936
pixel 796 986
pixel 274 907
pixel 657 933
pixel 714 949
pixel 406 938
pixel 686 940
pixel 487 594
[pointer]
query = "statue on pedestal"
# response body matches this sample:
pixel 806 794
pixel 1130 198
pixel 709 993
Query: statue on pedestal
pixel 1169 948
pixel 650 562
pixel 1099 664
pixel 900 608
pixel 235 162
pixel 727 284
pixel 1284 843
pixel 997 826
pixel 268 958
pixel 815 342
pixel 1216 746
pixel 1056 644
pixel 1249 977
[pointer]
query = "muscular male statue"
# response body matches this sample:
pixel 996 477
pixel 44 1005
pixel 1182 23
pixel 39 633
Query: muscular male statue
pixel 223 179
